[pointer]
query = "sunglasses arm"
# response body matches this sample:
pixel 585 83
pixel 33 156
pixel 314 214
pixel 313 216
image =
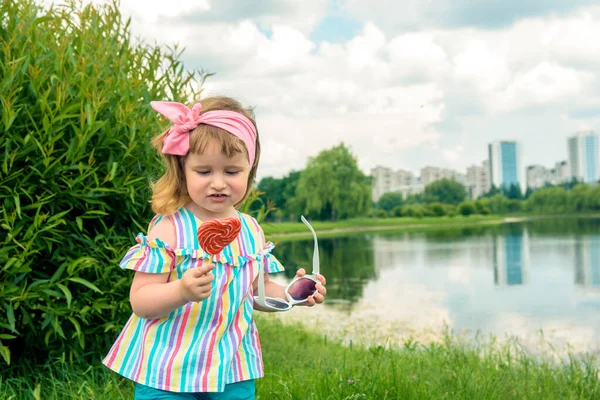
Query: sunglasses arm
pixel 315 270
pixel 261 284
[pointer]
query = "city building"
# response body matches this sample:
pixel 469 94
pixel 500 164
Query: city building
pixel 506 166
pixel 561 173
pixel 538 176
pixel 583 156
pixel 431 174
pixel 478 180
pixel 382 181
pixel 386 180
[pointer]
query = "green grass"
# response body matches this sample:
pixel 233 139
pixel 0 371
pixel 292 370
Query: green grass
pixel 304 365
pixel 295 230
pixel 284 231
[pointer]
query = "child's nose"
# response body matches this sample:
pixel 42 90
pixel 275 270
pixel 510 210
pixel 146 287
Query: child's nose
pixel 218 183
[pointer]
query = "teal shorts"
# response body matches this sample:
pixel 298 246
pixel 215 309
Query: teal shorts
pixel 243 390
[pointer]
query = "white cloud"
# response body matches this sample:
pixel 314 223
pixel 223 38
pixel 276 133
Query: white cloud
pixel 389 91
pixel 545 84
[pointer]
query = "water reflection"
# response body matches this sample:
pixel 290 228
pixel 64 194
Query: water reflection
pixel 516 278
pixel 511 258
pixel 348 263
pixel 587 261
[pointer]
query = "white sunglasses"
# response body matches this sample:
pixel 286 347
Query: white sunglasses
pixel 297 291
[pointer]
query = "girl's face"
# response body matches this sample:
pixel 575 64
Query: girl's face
pixel 215 183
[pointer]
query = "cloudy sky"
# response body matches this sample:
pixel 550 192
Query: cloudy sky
pixel 403 83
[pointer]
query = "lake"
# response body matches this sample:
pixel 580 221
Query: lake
pixel 538 281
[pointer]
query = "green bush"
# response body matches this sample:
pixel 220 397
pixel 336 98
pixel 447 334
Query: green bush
pixel 436 209
pixel 378 213
pixel 396 211
pixel 415 210
pixel 467 207
pixel 450 210
pixel 481 206
pixel 75 170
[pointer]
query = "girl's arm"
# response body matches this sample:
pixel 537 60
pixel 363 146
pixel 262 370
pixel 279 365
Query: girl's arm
pixel 272 289
pixel 152 296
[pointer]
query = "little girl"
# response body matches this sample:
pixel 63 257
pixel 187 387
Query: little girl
pixel 192 334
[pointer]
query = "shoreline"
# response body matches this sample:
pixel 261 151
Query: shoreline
pixel 434 223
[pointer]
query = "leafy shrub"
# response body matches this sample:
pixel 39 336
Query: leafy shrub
pixel 481 207
pixel 415 211
pixel 514 205
pixel 467 207
pixel 436 209
pixel 396 211
pixel 378 213
pixel 390 200
pixel 450 210
pixel 75 170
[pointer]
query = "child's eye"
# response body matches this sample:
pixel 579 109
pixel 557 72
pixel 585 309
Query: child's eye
pixel 203 172
pixel 233 172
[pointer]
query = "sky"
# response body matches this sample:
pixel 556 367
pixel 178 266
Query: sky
pixel 404 84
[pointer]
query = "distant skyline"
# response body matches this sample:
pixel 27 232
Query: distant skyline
pixel 403 84
pixel 485 156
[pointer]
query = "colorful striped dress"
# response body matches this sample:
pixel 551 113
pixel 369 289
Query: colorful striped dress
pixel 199 347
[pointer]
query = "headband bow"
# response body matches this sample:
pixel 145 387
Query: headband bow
pixel 177 140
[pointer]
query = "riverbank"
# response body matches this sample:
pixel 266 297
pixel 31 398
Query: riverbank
pixel 305 364
pixel 283 231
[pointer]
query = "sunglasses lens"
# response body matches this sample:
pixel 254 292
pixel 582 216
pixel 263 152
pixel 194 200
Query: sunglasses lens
pixel 302 289
pixel 276 303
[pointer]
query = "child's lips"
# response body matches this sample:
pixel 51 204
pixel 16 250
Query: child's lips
pixel 218 198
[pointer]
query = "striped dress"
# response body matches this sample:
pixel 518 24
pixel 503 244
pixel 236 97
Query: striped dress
pixel 199 347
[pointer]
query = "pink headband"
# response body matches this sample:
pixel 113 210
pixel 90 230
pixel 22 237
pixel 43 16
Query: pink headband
pixel 177 140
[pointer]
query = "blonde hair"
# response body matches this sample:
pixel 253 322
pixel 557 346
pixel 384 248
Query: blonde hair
pixel 169 193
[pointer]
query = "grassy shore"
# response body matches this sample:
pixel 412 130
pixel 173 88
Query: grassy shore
pixel 297 230
pixel 305 365
pixel 283 231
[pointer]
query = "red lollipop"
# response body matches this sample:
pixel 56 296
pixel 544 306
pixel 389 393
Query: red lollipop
pixel 214 235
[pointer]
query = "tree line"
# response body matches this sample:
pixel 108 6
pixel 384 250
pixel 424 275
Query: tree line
pixel 332 187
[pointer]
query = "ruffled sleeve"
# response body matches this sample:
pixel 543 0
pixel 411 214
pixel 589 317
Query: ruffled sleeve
pixel 150 256
pixel 270 263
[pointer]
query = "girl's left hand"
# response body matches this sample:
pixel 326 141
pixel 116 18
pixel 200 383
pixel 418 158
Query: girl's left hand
pixel 319 296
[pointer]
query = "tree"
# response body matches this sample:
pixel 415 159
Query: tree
pixel 445 191
pixel 332 187
pixel 513 192
pixel 492 192
pixel 528 192
pixel 390 200
pixel 278 192
pixel 579 197
pixel 290 209
pixel 498 204
pixel 550 199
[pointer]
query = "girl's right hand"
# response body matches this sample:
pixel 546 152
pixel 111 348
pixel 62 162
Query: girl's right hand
pixel 196 283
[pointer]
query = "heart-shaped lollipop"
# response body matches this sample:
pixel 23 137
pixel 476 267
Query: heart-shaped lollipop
pixel 214 235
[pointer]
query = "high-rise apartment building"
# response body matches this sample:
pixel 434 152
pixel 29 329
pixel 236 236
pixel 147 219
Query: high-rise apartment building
pixel 386 180
pixel 538 176
pixel 506 166
pixel 382 181
pixel 478 180
pixel 583 156
pixel 431 174
pixel 561 173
